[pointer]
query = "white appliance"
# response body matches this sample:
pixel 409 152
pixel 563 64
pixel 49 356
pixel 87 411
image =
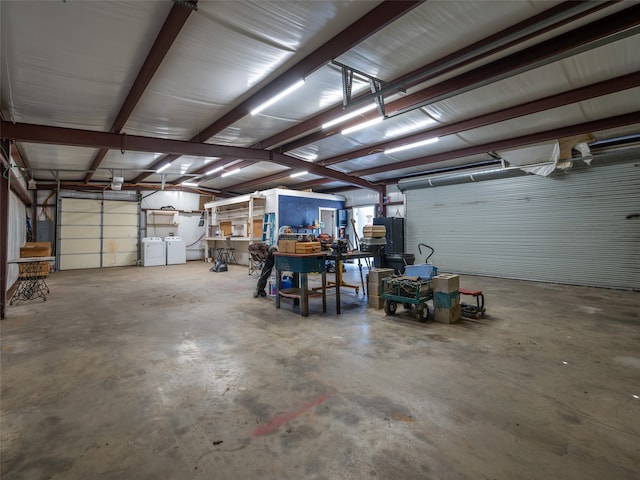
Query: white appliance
pixel 176 250
pixel 153 252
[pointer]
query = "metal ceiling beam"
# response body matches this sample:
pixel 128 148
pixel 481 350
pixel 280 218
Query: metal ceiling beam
pixel 168 33
pixel 86 138
pixel 378 18
pixel 573 96
pixel 579 129
pixel 587 92
pixel 258 181
pixel 26 132
pixel 623 23
pixel 536 25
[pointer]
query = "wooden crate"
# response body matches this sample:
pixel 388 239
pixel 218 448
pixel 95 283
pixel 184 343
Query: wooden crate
pixel 287 246
pixel 308 247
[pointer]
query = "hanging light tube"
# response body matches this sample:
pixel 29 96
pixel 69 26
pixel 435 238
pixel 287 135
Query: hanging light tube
pixel 230 172
pixel 189 184
pixel 348 116
pixel 361 126
pixel 411 145
pixel 163 168
pixel 214 170
pixel 299 174
pixel 279 96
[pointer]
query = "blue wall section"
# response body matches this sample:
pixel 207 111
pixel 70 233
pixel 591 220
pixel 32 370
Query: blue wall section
pixel 296 211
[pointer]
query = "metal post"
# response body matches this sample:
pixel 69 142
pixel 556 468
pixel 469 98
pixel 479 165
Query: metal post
pixel 4 223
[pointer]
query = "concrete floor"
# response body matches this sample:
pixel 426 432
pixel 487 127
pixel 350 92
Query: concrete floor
pixel 179 373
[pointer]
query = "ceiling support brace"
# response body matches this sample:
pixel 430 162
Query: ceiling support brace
pixel 375 84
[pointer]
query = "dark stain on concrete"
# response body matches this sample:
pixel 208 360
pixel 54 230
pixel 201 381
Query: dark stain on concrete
pixel 262 411
pixel 294 435
pixel 389 464
pixel 570 417
pixel 43 467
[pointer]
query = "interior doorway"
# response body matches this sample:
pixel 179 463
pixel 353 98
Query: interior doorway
pixel 328 221
pixel 363 216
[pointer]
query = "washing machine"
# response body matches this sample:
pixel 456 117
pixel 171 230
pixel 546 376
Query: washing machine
pixel 153 252
pixel 176 250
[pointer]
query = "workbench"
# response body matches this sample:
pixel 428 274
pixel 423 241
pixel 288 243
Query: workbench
pixel 301 264
pixel 31 278
pixel 339 258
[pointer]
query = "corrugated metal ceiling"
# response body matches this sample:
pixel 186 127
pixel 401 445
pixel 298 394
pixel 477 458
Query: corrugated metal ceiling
pixel 91 66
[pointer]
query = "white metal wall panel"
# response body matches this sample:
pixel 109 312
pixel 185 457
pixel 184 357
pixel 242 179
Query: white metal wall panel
pixel 569 228
pixel 95 234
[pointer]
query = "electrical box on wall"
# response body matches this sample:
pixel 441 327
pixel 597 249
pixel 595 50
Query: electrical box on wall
pixel 44 231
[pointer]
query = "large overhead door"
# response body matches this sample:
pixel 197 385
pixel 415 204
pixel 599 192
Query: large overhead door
pixel 580 228
pixel 119 233
pixel 94 233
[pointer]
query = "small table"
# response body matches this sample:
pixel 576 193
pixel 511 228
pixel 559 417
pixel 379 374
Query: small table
pixel 302 264
pixel 31 278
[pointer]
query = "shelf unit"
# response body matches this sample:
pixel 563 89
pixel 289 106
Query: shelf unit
pixel 235 217
pixel 162 218
pixel 238 219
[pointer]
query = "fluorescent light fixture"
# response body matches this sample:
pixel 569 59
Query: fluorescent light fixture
pixel 411 145
pixel 163 168
pixel 299 174
pixel 279 96
pixel 348 116
pixel 214 170
pixel 361 126
pixel 400 131
pixel 230 172
pixel 210 159
pixel 189 184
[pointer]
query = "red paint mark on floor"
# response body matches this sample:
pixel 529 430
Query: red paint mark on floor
pixel 280 420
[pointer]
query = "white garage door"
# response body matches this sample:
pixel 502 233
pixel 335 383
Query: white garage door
pixel 581 228
pixel 95 233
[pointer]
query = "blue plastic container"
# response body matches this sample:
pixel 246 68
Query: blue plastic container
pixel 423 270
pixel 287 281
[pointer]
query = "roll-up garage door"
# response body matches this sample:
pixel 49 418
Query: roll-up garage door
pixel 578 228
pixel 96 233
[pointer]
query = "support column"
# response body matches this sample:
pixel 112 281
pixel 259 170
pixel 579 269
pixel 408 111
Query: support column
pixel 4 223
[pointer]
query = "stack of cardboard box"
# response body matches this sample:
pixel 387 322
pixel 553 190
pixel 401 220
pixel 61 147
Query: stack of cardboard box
pixel 374 285
pixel 446 298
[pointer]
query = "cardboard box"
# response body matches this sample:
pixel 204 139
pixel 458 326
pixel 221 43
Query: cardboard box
pixel 377 274
pixel 308 247
pixel 446 300
pixel 374 288
pixel 256 225
pixel 287 246
pixel 447 315
pixel 376 301
pixel 446 282
pixel 35 249
pixel 225 229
